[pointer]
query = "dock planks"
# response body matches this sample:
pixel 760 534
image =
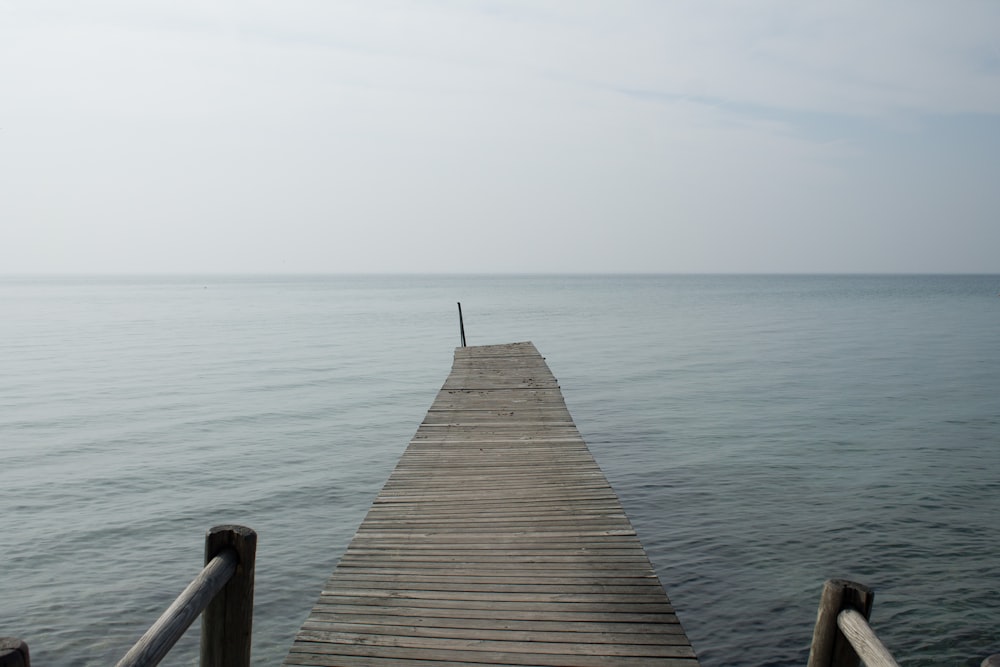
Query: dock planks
pixel 497 540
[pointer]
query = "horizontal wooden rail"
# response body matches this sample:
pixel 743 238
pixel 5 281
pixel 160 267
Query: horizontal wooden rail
pixel 162 635
pixel 864 640
pixel 224 591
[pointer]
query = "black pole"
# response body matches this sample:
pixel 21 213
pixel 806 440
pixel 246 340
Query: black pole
pixel 461 324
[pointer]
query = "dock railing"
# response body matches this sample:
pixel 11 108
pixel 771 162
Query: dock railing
pixel 222 594
pixel 832 645
pixel 843 637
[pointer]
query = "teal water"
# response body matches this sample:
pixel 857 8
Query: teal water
pixel 763 432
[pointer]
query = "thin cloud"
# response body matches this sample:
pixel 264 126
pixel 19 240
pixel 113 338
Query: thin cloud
pixel 369 136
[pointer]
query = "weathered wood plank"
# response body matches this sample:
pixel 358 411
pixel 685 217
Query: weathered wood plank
pixel 494 627
pixel 528 634
pixel 472 576
pixel 492 597
pixel 524 645
pixel 623 621
pixel 497 540
pixel 581 610
pixel 364 661
pixel 391 655
pixel 405 586
pixel 373 560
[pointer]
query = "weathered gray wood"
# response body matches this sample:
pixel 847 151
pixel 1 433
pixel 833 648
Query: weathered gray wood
pixel 494 575
pixel 526 644
pixel 501 617
pixel 393 655
pixel 491 626
pixel 497 540
pixel 164 633
pixel 491 597
pixel 227 623
pixel 14 653
pixel 864 640
pixel 830 648
pixel 527 633
pixel 608 604
pixel 495 591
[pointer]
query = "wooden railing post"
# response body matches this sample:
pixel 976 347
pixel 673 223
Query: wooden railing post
pixel 14 653
pixel 227 622
pixel 830 648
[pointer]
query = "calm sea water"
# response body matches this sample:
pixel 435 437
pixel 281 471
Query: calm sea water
pixel 763 432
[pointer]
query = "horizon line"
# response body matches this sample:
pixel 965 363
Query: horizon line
pixel 445 274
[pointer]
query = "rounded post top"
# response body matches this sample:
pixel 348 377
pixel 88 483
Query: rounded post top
pixel 847 583
pixel 242 531
pixel 13 653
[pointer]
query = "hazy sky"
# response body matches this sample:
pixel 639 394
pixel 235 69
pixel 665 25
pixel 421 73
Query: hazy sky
pixel 482 136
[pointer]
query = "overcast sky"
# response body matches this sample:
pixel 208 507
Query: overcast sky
pixel 495 136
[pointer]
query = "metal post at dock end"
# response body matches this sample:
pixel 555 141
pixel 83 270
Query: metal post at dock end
pixel 830 648
pixel 227 622
pixel 461 323
pixel 14 653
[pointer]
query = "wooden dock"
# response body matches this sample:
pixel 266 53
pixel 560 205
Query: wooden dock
pixel 497 540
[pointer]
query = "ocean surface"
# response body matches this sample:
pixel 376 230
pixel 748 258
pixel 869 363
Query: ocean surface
pixel 764 433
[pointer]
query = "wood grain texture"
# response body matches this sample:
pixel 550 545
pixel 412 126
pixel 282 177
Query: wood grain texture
pixel 497 540
pixel 164 633
pixel 14 653
pixel 227 622
pixel 830 648
pixel 866 643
